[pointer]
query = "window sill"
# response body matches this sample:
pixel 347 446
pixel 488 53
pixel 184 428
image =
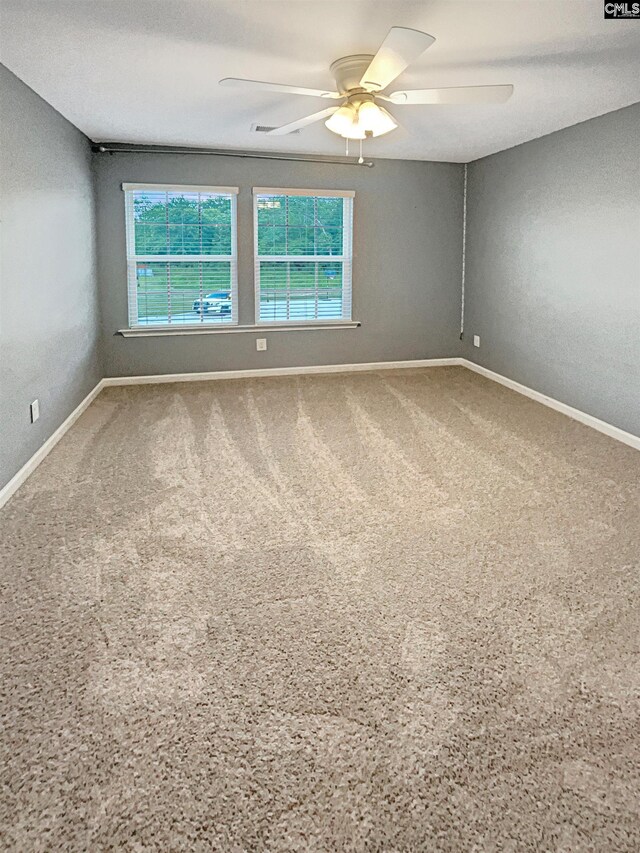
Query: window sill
pixel 161 331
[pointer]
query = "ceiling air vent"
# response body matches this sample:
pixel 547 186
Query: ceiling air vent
pixel 265 128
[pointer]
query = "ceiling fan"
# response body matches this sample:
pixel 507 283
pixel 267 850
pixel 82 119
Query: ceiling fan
pixel 360 83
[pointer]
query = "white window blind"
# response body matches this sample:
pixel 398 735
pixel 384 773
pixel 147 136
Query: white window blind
pixel 303 255
pixel 181 255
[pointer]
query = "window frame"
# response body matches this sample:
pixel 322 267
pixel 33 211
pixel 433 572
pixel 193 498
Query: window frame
pixel 346 259
pixel 133 259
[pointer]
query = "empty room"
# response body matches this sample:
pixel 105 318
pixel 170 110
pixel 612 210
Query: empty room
pixel 320 426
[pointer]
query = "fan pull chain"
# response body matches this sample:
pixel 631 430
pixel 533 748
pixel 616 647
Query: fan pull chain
pixel 360 158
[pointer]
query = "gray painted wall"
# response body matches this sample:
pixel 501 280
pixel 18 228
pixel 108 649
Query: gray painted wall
pixel 406 275
pixel 48 293
pixel 553 266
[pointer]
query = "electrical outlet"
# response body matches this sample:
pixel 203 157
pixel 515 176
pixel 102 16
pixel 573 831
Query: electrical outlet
pixel 35 411
pixel 261 344
pixel 476 340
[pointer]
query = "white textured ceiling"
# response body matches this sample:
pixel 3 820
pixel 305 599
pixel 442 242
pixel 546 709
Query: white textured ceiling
pixel 146 71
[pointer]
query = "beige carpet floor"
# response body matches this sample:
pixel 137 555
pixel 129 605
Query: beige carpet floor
pixel 395 611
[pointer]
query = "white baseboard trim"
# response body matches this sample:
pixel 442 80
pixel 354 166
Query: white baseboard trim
pixel 576 414
pixel 279 371
pixel 29 467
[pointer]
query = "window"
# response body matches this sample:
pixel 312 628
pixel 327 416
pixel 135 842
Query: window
pixel 181 255
pixel 302 255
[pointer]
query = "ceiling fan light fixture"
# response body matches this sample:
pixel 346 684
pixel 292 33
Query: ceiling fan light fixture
pixel 360 121
pixel 342 121
pixel 354 132
pixel 374 119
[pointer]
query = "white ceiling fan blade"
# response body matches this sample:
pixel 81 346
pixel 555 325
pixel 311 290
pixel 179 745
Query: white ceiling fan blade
pixel 454 95
pixel 302 122
pixel 401 47
pixel 238 83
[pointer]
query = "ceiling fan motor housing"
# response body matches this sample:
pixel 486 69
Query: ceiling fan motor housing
pixel 348 71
